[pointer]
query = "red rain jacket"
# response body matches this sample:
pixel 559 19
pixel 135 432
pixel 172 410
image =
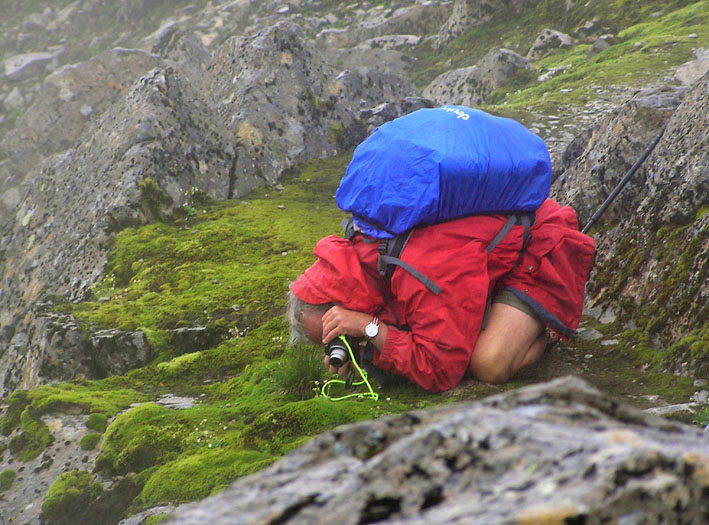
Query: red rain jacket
pixel 437 333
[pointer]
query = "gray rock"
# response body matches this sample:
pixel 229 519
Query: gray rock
pixel 468 14
pixel 588 334
pixel 192 339
pixel 470 85
pixel 15 100
pixel 419 18
pixel 551 73
pixel 66 352
pixel 174 402
pixel 115 352
pixel 668 190
pixel 55 121
pixel 602 43
pixel 387 111
pixel 592 29
pixel 28 65
pixel 691 72
pixel 560 451
pixel 547 41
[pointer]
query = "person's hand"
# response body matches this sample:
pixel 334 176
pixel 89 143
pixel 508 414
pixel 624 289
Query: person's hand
pixel 341 321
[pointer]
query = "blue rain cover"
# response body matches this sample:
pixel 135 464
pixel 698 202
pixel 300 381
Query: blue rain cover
pixel 438 164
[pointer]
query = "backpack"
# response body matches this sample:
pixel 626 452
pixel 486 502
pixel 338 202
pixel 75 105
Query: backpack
pixel 438 164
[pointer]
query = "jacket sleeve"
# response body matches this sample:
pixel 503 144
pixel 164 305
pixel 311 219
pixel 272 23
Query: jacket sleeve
pixel 435 353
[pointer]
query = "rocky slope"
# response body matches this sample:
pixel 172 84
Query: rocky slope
pixel 124 124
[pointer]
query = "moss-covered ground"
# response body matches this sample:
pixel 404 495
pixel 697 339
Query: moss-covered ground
pixel 227 266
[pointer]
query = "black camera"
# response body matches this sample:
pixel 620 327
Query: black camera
pixel 338 351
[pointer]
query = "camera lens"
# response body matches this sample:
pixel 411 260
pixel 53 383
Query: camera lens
pixel 338 356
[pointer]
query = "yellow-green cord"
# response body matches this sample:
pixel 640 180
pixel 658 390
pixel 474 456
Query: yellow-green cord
pixel 360 395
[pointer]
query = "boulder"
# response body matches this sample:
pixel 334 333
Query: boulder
pixel 383 113
pixel 610 149
pixel 69 352
pixel 552 453
pixel 692 71
pixel 301 97
pixel 28 65
pixel 547 41
pixel 591 30
pixel 651 249
pixel 56 121
pixel 468 14
pixel 470 85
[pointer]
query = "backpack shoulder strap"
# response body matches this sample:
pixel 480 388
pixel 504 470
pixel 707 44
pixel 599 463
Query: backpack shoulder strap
pixel 390 251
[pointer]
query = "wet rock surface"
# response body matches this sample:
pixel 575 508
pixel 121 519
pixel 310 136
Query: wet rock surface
pixel 664 196
pixel 559 451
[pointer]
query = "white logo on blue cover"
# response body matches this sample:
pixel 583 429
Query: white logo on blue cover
pixel 459 112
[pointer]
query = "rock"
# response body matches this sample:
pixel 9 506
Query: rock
pixel 389 42
pixel 547 41
pixel 602 43
pixel 551 73
pixel 14 101
pixel 470 85
pixel 588 334
pixel 193 339
pixel 611 149
pixel 657 214
pixel 468 14
pixel 691 72
pixel 383 113
pixel 290 118
pixel 158 128
pixel 153 133
pixel 56 121
pixel 174 402
pixel 28 65
pixel 66 352
pixel 420 19
pixel 559 451
pixel 115 352
pixel 592 29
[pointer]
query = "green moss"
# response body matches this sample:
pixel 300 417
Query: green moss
pixel 139 439
pixel 229 269
pixel 89 441
pixel 7 478
pixel 279 430
pixel 71 492
pixel 154 520
pixel 16 403
pixel 33 438
pixel 200 475
pixel 97 422
pixel 701 417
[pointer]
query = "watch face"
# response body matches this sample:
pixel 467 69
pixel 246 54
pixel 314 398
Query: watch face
pixel 371 330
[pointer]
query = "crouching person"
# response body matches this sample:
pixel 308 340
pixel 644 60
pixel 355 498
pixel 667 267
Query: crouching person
pixel 483 306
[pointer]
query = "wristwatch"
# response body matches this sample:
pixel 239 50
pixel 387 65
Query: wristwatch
pixel 372 329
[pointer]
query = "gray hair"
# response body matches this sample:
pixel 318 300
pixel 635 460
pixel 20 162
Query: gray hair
pixel 295 309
